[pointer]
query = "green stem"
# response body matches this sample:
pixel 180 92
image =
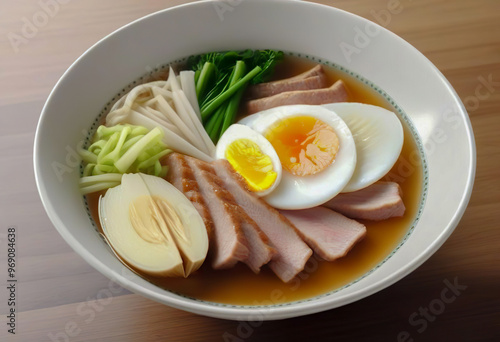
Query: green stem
pixel 231 110
pixel 212 106
pixel 131 155
pixel 211 127
pixel 217 127
pixel 206 74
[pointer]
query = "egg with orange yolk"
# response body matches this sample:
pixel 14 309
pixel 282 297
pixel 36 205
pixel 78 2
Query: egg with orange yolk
pixel 252 156
pixel 305 144
pixel 316 150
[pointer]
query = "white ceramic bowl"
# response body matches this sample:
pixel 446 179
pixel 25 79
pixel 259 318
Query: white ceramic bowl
pixel 329 34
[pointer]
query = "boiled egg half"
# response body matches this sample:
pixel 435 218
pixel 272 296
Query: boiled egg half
pixel 378 135
pixel 252 156
pixel 316 150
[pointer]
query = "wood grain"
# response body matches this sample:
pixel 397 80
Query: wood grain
pixel 59 293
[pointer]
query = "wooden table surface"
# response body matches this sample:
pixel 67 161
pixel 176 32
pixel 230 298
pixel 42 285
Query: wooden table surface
pixel 61 298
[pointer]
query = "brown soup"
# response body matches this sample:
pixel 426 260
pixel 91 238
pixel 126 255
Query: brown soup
pixel 240 286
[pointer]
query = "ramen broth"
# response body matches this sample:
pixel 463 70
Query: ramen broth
pixel 240 286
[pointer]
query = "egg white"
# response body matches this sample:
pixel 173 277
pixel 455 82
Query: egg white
pixel 237 131
pixel 379 138
pixel 295 192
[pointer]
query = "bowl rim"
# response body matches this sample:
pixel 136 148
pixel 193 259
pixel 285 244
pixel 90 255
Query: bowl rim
pixel 251 313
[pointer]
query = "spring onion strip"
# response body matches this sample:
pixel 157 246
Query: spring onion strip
pixel 129 143
pixel 231 111
pixel 98 187
pixel 88 169
pixel 131 155
pixel 87 156
pixel 108 177
pixel 100 169
pixel 209 108
pixel 109 146
pixel 207 72
pixel 153 159
pixel 115 154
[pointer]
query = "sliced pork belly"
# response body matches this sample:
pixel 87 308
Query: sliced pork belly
pixel 181 176
pixel 331 235
pixel 228 241
pixel 259 250
pixel 272 88
pixel 336 93
pixel 376 202
pixel 292 252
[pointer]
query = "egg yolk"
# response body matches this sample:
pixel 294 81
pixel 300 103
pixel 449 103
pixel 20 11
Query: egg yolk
pixel 251 163
pixel 304 144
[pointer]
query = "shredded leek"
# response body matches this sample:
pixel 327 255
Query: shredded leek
pixel 121 149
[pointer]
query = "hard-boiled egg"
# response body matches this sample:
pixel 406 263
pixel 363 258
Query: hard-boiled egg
pixel 378 135
pixel 316 150
pixel 153 227
pixel 252 156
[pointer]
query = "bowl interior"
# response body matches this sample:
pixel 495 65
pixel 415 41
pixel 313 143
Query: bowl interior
pixel 329 34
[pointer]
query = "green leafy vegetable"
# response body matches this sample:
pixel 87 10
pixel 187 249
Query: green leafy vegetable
pixel 222 77
pixel 121 149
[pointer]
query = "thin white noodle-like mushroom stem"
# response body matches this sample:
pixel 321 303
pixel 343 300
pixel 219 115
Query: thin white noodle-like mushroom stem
pixel 171 105
pixel 182 112
pixel 175 119
pixel 174 85
pixel 188 110
pixel 189 88
pixel 150 102
pixel 165 122
pixel 154 115
pixel 160 91
pixel 172 140
pixel 134 94
pixel 117 116
pixel 130 97
pixel 167 84
pixel 119 103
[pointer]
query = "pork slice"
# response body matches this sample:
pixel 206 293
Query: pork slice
pixel 175 165
pixel 228 241
pixel 335 93
pixel 268 87
pixel 291 252
pixel 330 234
pixel 272 88
pixel 379 201
pixel 260 250
pixel 181 176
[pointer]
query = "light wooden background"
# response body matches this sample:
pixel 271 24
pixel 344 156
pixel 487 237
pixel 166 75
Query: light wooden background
pixel 57 288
